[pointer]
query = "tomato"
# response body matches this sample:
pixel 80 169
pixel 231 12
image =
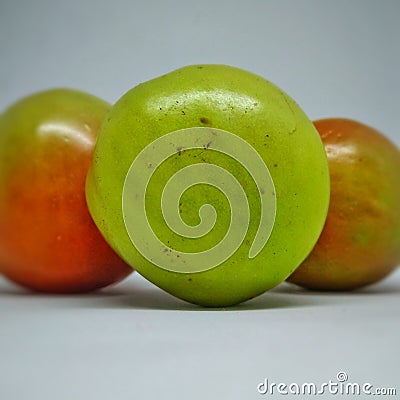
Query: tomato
pixel 360 243
pixel 48 241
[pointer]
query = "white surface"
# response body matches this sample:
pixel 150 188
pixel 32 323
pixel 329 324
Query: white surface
pixel 335 58
pixel 133 341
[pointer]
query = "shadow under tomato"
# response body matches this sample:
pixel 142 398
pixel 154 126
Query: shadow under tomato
pixel 151 297
pixel 389 285
pixel 136 294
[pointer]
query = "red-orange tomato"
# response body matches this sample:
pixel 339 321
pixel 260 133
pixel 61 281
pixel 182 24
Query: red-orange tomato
pixel 360 243
pixel 48 241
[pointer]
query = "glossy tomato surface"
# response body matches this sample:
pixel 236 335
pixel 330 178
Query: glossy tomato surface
pixel 360 243
pixel 48 241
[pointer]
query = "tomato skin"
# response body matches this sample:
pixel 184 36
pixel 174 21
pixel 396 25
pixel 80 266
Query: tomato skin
pixel 360 243
pixel 48 241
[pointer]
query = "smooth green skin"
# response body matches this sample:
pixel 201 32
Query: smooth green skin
pixel 250 107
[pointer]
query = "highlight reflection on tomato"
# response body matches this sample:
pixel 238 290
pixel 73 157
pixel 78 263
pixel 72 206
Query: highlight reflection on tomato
pixel 48 241
pixel 360 243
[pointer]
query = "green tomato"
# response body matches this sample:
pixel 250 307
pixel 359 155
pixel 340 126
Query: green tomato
pixel 211 182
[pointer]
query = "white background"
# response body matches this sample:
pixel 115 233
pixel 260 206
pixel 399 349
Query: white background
pixel 336 59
